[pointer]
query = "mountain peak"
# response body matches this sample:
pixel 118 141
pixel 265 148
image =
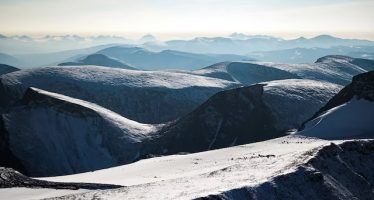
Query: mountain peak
pixel 148 38
pixel 324 37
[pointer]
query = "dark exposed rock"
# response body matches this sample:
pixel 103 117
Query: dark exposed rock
pixel 10 178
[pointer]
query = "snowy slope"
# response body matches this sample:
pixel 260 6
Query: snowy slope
pixel 349 114
pixel 244 115
pixel 51 134
pixel 244 72
pixel 145 96
pixel 278 168
pixel 335 69
pixel 354 119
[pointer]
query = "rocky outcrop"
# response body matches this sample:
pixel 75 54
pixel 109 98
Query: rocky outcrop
pixel 10 178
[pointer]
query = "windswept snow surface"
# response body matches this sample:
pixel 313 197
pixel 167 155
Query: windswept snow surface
pixel 354 119
pixel 199 174
pixel 144 96
pixel 203 174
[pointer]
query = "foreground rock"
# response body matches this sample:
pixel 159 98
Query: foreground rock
pixel 10 178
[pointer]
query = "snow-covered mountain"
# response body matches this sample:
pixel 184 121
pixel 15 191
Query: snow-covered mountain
pixel 244 115
pixel 244 72
pixel 166 59
pixel 52 134
pixel 4 69
pixel 349 114
pixel 284 168
pixel 145 96
pixel 98 60
pixel 335 69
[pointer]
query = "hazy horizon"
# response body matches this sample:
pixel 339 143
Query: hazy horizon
pixel 187 36
pixel 184 19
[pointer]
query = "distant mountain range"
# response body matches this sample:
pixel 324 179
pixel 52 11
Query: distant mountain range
pixel 49 50
pixel 308 55
pixel 167 59
pixel 246 44
pixel 98 60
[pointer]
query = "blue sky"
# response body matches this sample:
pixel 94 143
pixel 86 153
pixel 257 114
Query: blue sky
pixel 289 18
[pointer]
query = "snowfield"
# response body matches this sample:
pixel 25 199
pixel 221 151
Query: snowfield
pixel 223 172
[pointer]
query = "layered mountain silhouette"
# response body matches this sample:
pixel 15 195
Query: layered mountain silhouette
pixel 99 60
pixel 308 55
pixel 167 59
